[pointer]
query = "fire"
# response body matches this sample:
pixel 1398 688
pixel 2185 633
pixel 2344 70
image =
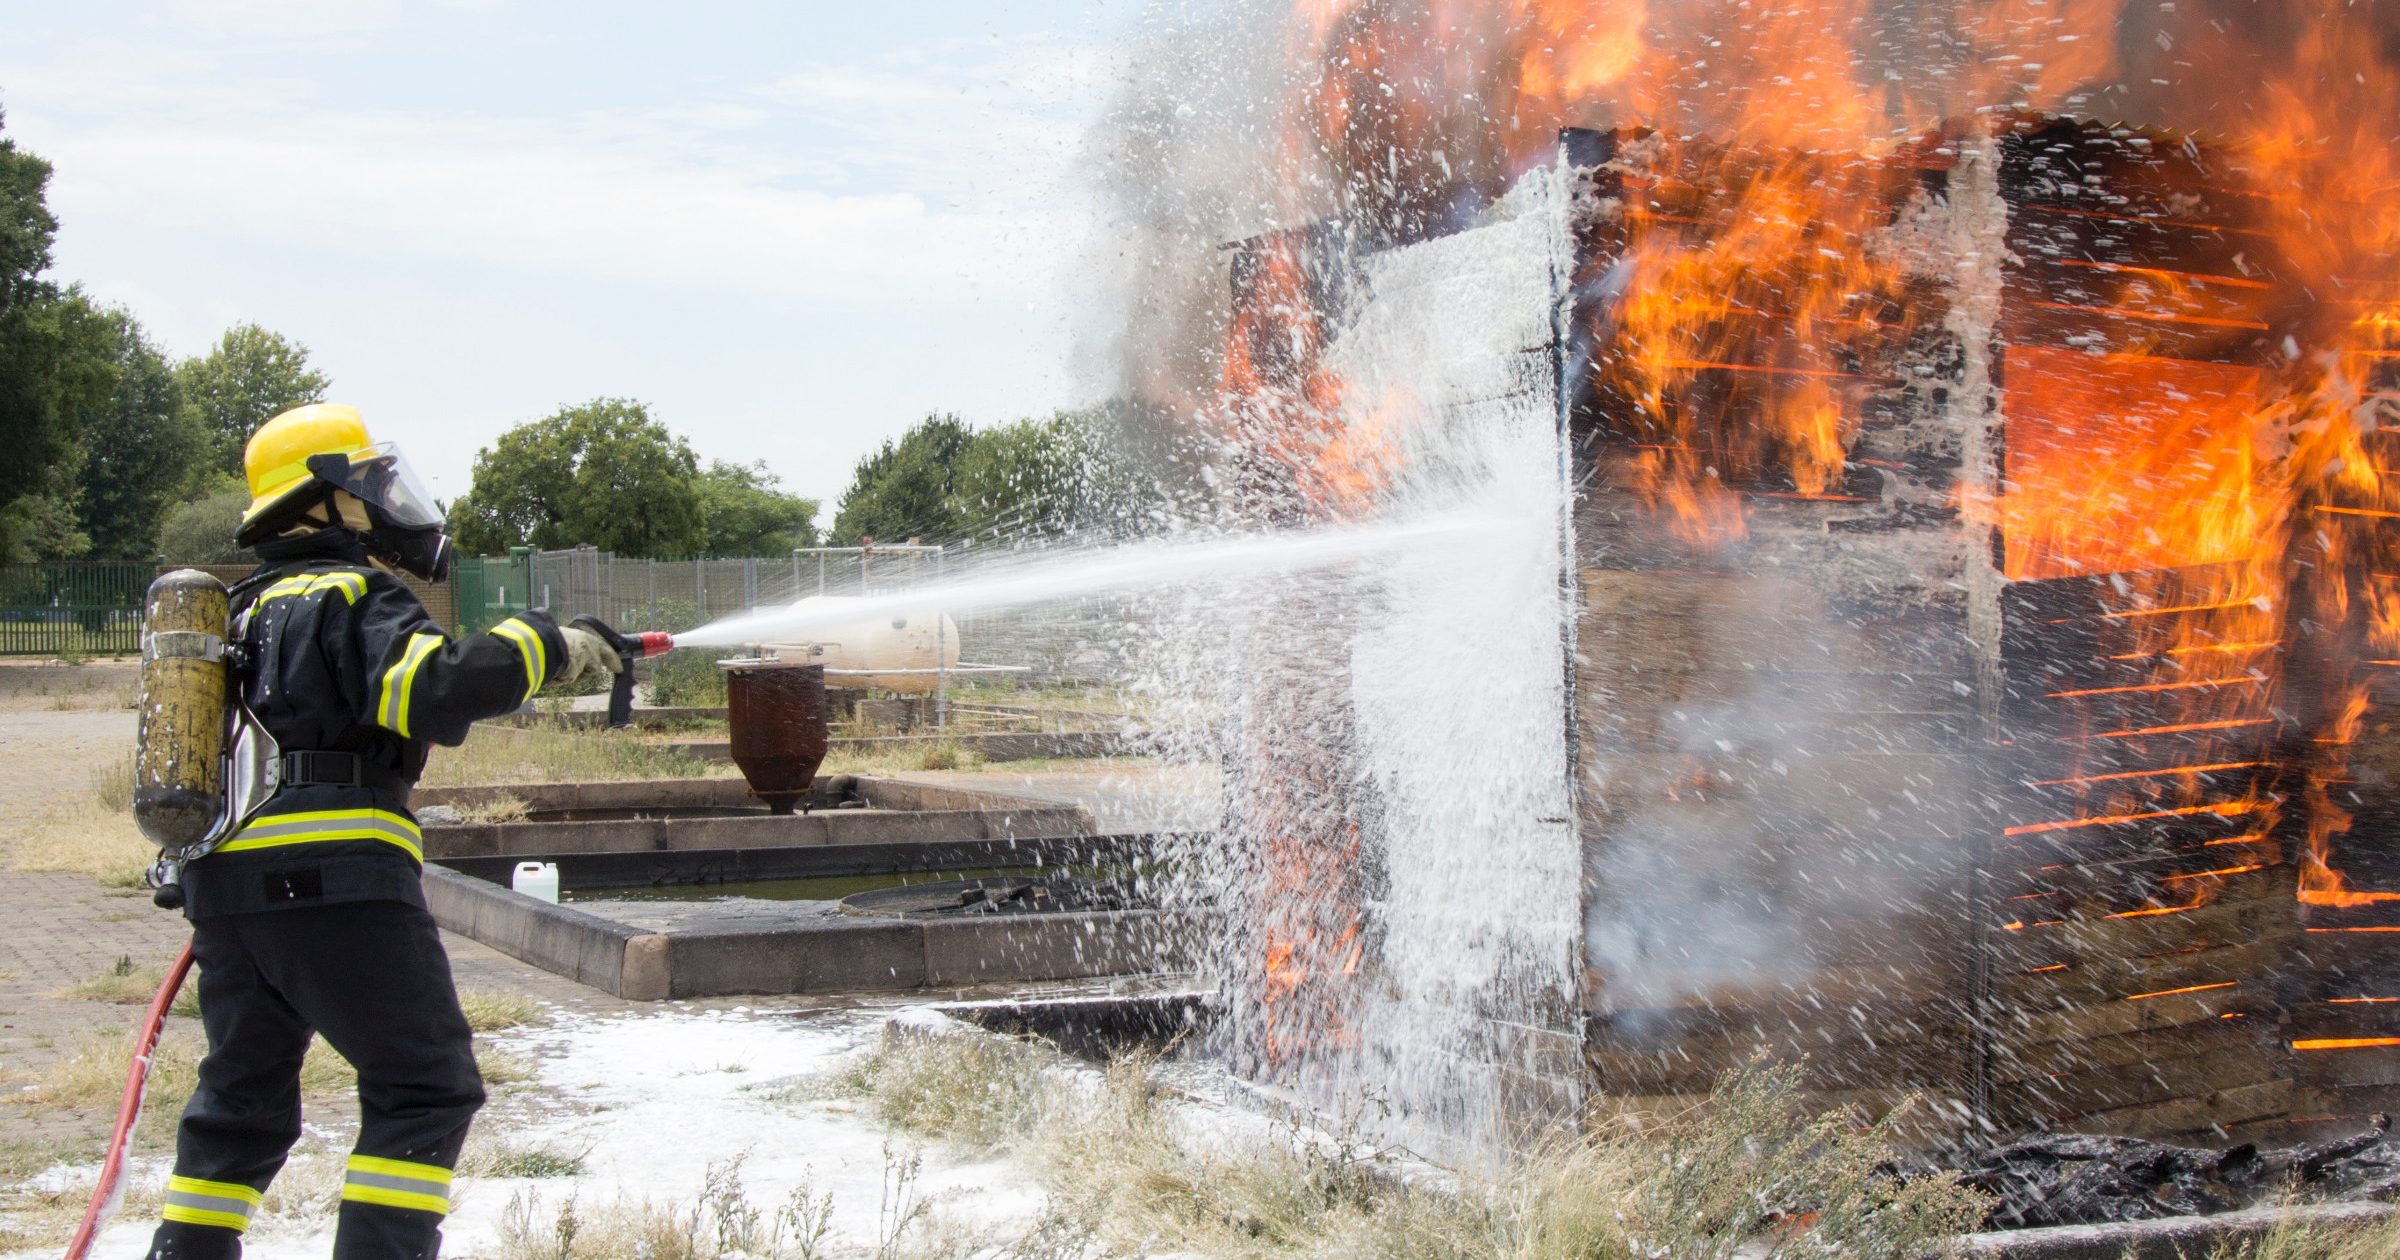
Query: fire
pixel 2191 988
pixel 2209 465
pixel 2344 1043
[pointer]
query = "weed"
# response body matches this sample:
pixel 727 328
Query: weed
pixel 123 983
pixel 92 1073
pixel 112 784
pixel 324 1071
pixel 503 1158
pixel 502 1068
pixel 128 984
pixel 977 1091
pixel 1751 1168
pixel 489 1010
pixel 500 808
pixel 89 834
pixel 901 1207
pixel 947 755
pixel 2302 1242
pixel 23 1157
pixel 722 1224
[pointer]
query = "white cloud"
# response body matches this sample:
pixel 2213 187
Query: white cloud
pixel 890 229
pixel 508 195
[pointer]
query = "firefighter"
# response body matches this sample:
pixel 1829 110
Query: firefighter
pixel 309 917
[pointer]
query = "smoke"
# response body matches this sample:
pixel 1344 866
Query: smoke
pixel 1177 163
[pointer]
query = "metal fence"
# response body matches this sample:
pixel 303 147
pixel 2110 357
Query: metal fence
pixel 635 594
pixel 1060 639
pixel 78 608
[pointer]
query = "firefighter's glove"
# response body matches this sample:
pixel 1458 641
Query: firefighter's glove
pixel 588 653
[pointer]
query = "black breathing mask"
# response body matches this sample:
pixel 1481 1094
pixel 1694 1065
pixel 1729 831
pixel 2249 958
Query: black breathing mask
pixel 404 525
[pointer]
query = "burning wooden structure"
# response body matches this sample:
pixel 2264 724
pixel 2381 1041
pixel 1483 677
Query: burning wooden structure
pixel 1989 622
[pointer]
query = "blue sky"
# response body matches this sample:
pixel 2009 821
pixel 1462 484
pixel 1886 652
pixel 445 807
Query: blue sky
pixel 791 228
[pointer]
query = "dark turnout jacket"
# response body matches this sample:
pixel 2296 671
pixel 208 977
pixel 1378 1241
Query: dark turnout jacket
pixel 354 680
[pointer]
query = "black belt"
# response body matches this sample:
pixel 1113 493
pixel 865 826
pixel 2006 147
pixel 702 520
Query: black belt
pixel 308 768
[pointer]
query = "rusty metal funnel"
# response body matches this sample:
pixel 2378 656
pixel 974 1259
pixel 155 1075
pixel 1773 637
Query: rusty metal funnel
pixel 777 712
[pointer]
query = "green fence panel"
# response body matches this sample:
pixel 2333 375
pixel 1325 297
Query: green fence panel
pixel 84 608
pixel 490 590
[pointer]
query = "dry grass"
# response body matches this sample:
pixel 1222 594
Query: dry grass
pixel 501 808
pixel 489 1156
pixel 92 1073
pixel 128 984
pixel 501 1068
pixel 2359 1242
pixel 1752 1167
pixel 979 1092
pixel 943 754
pixel 101 697
pixel 89 833
pixel 501 755
pixel 721 1224
pixel 489 1010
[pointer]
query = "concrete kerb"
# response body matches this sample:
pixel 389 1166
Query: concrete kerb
pixel 726 793
pixel 679 834
pixel 668 815
pixel 597 719
pixel 1008 746
pixel 583 947
pixel 1001 746
pixel 840 955
pixel 2174 1238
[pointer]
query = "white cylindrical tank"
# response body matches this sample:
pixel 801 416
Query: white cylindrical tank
pixel 913 644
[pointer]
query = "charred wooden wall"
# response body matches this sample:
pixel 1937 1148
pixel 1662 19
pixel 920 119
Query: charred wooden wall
pixel 1778 732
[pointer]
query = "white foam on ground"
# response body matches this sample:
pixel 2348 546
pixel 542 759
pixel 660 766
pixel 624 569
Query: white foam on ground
pixel 652 1101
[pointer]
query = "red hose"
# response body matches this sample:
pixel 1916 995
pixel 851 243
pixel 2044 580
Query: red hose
pixel 129 1108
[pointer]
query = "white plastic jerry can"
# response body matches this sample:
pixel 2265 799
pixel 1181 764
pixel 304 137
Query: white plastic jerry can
pixel 536 879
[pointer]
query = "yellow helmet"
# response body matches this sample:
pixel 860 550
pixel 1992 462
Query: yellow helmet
pixel 277 457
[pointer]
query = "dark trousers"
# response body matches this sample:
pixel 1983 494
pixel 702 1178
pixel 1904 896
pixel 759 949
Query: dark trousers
pixel 372 978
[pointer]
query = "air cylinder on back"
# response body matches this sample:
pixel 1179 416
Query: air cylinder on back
pixel 179 751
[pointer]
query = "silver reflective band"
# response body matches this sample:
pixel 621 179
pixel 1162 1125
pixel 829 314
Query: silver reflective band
pixel 169 644
pixel 223 1204
pixel 397 1183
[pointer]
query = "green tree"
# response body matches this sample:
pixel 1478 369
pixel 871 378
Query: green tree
pixel 747 515
pixel 201 531
pixel 906 489
pixel 142 450
pixel 604 473
pixel 243 381
pixel 1049 477
pixel 53 363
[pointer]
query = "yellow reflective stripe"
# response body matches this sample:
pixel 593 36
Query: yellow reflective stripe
pixel 400 1168
pixel 351 585
pixel 224 1204
pixel 400 681
pixel 397 1183
pixel 277 830
pixel 182 1215
pixel 214 1189
pixel 382 1196
pixel 528 642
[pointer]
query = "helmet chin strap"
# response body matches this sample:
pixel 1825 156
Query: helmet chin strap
pixel 353 512
pixel 347 511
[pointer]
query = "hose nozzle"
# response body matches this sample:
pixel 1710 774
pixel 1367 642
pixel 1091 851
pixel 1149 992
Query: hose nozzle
pixel 649 643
